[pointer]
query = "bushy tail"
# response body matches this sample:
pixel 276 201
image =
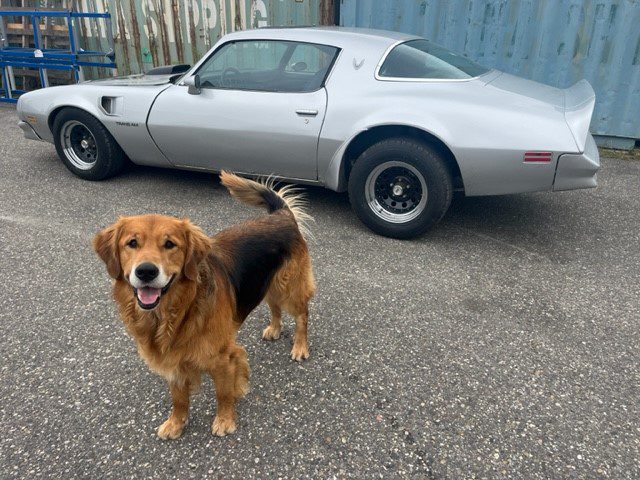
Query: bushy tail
pixel 263 194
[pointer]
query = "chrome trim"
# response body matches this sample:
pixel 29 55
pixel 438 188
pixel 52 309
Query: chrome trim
pixel 423 80
pixel 306 113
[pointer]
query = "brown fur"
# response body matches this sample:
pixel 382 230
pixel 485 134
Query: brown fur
pixel 193 328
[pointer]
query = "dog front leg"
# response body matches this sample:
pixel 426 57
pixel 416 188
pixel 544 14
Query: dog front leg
pixel 173 426
pixel 231 378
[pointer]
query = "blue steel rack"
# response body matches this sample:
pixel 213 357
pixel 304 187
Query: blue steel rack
pixel 72 59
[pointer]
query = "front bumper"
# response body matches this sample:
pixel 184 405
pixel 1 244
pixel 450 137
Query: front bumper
pixel 28 131
pixel 578 170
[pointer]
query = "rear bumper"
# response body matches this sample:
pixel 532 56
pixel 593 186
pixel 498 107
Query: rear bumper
pixel 578 170
pixel 28 131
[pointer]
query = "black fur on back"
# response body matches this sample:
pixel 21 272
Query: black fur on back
pixel 257 250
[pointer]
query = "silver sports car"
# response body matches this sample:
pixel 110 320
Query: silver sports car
pixel 397 121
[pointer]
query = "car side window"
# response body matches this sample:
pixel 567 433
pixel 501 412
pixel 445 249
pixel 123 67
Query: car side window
pixel 268 66
pixel 418 59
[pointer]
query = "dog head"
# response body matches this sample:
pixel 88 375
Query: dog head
pixel 151 252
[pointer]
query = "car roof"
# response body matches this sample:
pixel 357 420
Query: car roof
pixel 336 36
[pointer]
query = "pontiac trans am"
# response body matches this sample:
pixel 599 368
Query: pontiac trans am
pixel 397 121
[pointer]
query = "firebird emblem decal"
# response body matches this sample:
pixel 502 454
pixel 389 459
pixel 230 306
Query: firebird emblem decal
pixel 357 64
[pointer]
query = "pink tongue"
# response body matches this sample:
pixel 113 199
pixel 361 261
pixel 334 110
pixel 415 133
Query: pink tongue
pixel 148 295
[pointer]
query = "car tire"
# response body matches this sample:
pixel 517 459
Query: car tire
pixel 400 187
pixel 85 146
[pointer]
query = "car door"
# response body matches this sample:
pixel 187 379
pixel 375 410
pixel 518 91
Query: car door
pixel 259 109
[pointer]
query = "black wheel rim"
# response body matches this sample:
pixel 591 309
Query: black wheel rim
pixel 396 192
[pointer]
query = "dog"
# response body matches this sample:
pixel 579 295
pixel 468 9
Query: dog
pixel 183 295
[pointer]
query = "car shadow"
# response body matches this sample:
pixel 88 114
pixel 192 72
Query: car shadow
pixel 504 212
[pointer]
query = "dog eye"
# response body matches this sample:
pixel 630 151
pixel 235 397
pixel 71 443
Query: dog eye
pixel 133 243
pixel 169 244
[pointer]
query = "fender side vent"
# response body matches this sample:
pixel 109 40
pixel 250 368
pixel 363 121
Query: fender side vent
pixel 111 105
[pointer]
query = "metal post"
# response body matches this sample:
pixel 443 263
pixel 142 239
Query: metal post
pixel 7 85
pixel 110 39
pixel 36 43
pixel 73 46
pixel 7 71
pixel 3 36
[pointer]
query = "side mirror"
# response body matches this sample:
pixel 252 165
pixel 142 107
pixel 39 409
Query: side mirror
pixel 193 83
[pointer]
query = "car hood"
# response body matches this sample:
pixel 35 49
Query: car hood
pixel 135 80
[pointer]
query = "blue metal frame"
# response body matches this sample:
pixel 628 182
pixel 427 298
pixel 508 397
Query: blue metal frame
pixel 52 58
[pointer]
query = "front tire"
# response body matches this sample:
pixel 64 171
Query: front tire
pixel 85 146
pixel 400 188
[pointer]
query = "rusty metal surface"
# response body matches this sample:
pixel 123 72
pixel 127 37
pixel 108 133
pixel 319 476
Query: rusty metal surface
pixel 149 33
pixel 557 42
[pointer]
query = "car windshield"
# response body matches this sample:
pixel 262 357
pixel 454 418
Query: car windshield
pixel 423 59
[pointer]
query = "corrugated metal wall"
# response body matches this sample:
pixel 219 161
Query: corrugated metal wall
pixel 557 42
pixel 149 33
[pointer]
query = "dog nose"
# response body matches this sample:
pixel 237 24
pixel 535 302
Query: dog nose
pixel 147 272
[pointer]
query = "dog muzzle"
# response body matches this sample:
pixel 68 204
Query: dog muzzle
pixel 149 297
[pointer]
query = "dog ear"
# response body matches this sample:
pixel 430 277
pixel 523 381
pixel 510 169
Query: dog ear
pixel 105 244
pixel 198 246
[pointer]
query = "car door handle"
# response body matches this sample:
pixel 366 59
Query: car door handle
pixel 307 113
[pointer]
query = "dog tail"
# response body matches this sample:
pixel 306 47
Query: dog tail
pixel 263 194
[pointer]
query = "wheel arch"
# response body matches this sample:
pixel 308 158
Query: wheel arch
pixel 56 111
pixel 116 158
pixel 366 138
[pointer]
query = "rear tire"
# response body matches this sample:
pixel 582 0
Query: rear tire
pixel 85 146
pixel 400 188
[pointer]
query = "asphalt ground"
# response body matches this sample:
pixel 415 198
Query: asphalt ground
pixel 503 344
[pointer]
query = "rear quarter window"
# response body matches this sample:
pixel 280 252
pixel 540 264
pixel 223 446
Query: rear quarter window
pixel 421 59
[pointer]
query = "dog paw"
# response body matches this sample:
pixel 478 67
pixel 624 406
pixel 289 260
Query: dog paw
pixel 299 353
pixel 171 429
pixel 271 333
pixel 222 426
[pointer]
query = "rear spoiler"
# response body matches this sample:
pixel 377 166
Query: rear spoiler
pixel 579 100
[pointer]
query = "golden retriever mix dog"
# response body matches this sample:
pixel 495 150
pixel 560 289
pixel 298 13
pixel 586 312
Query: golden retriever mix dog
pixel 183 295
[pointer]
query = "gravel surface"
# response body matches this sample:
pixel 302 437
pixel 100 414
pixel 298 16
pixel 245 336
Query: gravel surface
pixel 504 344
